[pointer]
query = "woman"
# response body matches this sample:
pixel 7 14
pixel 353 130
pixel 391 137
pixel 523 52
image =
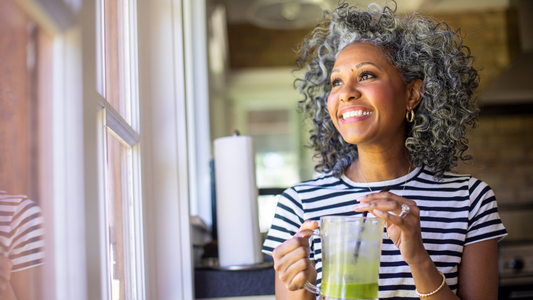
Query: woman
pixel 391 99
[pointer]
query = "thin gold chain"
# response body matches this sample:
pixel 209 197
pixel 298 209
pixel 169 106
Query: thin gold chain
pixel 408 171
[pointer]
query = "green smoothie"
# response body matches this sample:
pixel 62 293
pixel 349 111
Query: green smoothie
pixel 345 281
pixel 351 290
pixel 345 275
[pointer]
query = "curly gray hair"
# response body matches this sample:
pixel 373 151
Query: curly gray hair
pixel 420 49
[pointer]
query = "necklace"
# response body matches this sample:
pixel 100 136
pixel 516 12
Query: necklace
pixel 406 177
pixel 408 171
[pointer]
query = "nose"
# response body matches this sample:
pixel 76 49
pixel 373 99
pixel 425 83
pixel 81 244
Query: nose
pixel 349 93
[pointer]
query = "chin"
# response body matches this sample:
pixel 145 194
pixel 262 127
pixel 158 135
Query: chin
pixel 353 140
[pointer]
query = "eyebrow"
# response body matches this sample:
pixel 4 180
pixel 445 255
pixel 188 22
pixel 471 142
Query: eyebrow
pixel 359 65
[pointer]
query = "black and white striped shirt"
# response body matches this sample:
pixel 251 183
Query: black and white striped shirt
pixel 454 212
pixel 21 231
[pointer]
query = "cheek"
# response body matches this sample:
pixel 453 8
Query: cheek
pixel 390 99
pixel 331 104
pixel 332 110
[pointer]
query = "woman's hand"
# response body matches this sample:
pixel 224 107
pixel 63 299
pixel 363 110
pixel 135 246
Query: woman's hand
pixel 291 259
pixel 5 273
pixel 404 232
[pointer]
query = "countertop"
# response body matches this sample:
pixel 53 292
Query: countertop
pixel 213 283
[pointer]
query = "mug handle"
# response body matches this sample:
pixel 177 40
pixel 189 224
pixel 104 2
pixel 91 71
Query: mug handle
pixel 311 287
pixel 308 285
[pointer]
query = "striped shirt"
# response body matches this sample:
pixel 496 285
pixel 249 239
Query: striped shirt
pixel 454 212
pixel 21 231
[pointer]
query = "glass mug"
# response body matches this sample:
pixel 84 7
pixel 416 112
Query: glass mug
pixel 351 250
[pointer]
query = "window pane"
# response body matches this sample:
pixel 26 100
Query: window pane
pixel 117 217
pixel 115 57
pixel 267 210
pixel 276 161
pixel 25 132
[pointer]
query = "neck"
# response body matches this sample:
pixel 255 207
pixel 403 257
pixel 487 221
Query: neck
pixel 379 165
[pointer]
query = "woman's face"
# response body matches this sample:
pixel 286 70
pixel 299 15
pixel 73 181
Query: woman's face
pixel 368 99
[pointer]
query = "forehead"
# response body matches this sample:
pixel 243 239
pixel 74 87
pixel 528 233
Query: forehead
pixel 356 53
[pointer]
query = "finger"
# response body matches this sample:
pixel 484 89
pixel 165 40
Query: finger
pixel 405 224
pixel 385 205
pixel 391 206
pixel 5 269
pixel 298 281
pixel 291 276
pixel 281 264
pixel 6 263
pixel 309 225
pixel 289 246
pixel 394 207
pixel 384 196
pixel 304 234
pixel 306 230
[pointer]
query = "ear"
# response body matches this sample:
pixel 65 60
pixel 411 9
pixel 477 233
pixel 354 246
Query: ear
pixel 416 92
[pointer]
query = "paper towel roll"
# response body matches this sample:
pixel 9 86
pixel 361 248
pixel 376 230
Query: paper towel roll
pixel 239 239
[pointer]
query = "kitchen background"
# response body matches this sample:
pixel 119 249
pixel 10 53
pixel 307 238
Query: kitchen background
pixel 254 75
pixel 260 100
pixel 85 85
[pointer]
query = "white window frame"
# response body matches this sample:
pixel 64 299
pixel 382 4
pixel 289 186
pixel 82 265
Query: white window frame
pixel 165 123
pixel 197 87
pixel 110 121
pixel 73 230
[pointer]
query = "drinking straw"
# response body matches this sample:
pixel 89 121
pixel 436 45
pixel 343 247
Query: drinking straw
pixel 362 227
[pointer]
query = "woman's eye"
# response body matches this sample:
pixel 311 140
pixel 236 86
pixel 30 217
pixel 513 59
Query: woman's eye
pixel 336 82
pixel 366 76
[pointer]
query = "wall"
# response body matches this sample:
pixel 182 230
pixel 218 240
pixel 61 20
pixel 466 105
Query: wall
pixel 492 35
pixel 254 47
pixel 502 148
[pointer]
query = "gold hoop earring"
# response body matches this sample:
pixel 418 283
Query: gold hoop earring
pixel 410 115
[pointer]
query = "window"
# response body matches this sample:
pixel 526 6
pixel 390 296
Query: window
pixel 264 107
pixel 120 152
pixel 25 131
pixel 70 140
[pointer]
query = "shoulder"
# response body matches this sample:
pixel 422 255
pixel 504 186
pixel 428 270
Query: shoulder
pixel 475 187
pixel 479 194
pixel 9 199
pixel 24 223
pixel 10 203
pixel 320 185
pixel 428 175
pixel 453 181
pixel 21 215
pixel 449 185
pixel 17 205
pixel 322 181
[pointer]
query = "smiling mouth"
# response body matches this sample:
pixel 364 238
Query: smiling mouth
pixel 355 113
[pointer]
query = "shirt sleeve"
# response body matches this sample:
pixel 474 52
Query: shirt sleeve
pixel 287 221
pixel 27 245
pixel 484 221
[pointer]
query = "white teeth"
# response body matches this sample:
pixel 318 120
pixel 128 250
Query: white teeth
pixel 355 113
